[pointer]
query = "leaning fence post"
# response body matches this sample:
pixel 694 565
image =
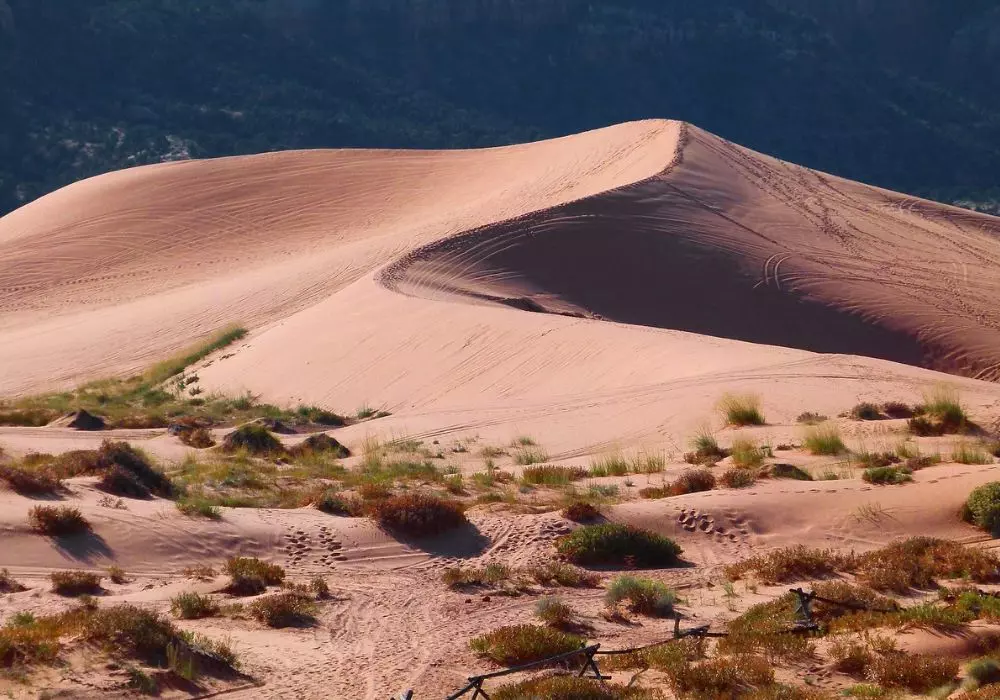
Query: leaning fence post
pixel 805 600
pixel 677 625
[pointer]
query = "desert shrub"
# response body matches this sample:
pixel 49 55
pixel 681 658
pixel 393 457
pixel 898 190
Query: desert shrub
pixel 741 409
pixel 320 416
pixel 918 673
pixel 57 521
pixel 985 671
pixel 706 449
pixel 989 692
pixel 489 575
pixel 563 574
pixel 982 507
pixel 320 444
pixel 117 575
pixel 789 471
pixel 202 572
pixel 897 409
pixel 738 478
pixel 978 605
pixel 810 418
pixel 319 587
pixel 654 492
pixel 329 501
pixel 870 460
pixel 254 438
pixel 74 583
pixel 916 463
pixel 290 609
pixel 644 596
pixel 923 427
pixel 723 677
pixel 824 440
pixel 852 595
pixel 866 411
pixel 8 584
pixel 853 655
pixel 968 453
pixel 581 512
pixel 570 688
pixel 198 438
pixel 135 462
pixel 797 563
pixel 30 482
pixel 918 561
pixel 761 630
pixel 193 606
pixel 693 481
pixel 746 453
pixel 198 506
pixel 553 612
pixel 520 644
pixel 131 630
pixel 552 475
pixel 887 475
pixel 271 574
pixel 245 585
pixel 141 681
pixel 609 465
pixel 613 543
pixel 943 404
pixel 120 482
pixel 22 645
pixel 418 514
pixel 529 455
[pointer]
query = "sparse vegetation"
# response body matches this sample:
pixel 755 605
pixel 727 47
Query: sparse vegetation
pixel 270 574
pixel 887 475
pixel 824 440
pixel 866 411
pixel 723 677
pixel 897 409
pixel 196 506
pixel 797 563
pixel 738 478
pixel 918 673
pixel 117 575
pixel 253 438
pixel 706 449
pixel 551 475
pixel 57 521
pixel 741 409
pixel 693 481
pixel 75 583
pixel 30 482
pixel 333 503
pixel 942 413
pixel 810 418
pixel 290 609
pixel 193 606
pixel 529 455
pixel 965 452
pixel 581 511
pixel 571 688
pixel 613 543
pixel 553 612
pixel 789 471
pixel 644 596
pixel 521 644
pixel 8 584
pixel 198 438
pixel 747 453
pixel 320 588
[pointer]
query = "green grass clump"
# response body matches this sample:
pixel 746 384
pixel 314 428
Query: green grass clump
pixel 529 455
pixel 609 465
pixel 553 612
pixel 824 440
pixel 198 506
pixel 738 478
pixel 966 452
pixel 551 475
pixel 255 439
pixel 759 631
pixel 292 609
pixel 746 453
pixel 193 606
pixel 982 507
pixel 706 449
pixel 741 409
pixel 270 574
pixel 520 644
pixel 75 583
pixel 644 596
pixel 616 544
pixel 570 688
pixel 333 503
pixel 984 671
pixel 944 404
pixel 489 575
pixel 418 515
pixel 57 521
pixel 887 475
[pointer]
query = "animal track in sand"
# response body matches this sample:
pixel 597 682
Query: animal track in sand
pixel 301 553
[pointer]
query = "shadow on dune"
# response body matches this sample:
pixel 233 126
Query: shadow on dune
pixel 463 542
pixel 84 548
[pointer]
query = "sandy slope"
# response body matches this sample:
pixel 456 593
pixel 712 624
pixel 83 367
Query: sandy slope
pixel 673 265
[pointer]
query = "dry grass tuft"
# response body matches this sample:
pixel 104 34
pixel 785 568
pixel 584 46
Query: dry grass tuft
pixel 643 596
pixel 797 563
pixel 74 583
pixel 581 512
pixel 741 409
pixel 418 515
pixel 554 612
pixel 8 584
pixel 824 440
pixel 193 606
pixel 571 688
pixel 57 521
pixel 30 482
pixel 738 478
pixel 520 644
pixel 551 475
pixel 292 609
pixel 723 677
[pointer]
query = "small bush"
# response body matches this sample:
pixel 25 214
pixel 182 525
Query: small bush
pixel 552 475
pixel 123 456
pixel 984 671
pixel 254 438
pixel 797 563
pixel 291 609
pixel 489 575
pixel 982 507
pixel 644 596
pixel 741 409
pixel 337 504
pixel 117 575
pixel 121 482
pixel 570 688
pixel 693 481
pixel 581 512
pixel 724 677
pixel 943 404
pixel 419 514
pixel 612 543
pixel 75 583
pixel 824 440
pixel 246 585
pixel 706 449
pixel 887 475
pixel 57 521
pixel 320 588
pixel 789 471
pixel 918 561
pixel 553 612
pixel 198 507
pixel 897 409
pixel 320 444
pixel 529 455
pixel 8 584
pixel 320 416
pixel 917 673
pixel 193 606
pixel 25 482
pixel 654 492
pixel 563 574
pixel 810 418
pixel 866 411
pixel 738 478
pixel 198 438
pixel 923 427
pixel 520 644
pixel 271 574
pixel 131 631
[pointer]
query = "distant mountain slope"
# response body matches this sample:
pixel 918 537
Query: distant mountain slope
pixel 903 98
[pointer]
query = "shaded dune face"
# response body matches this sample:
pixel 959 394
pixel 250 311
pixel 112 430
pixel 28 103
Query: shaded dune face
pixel 733 244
